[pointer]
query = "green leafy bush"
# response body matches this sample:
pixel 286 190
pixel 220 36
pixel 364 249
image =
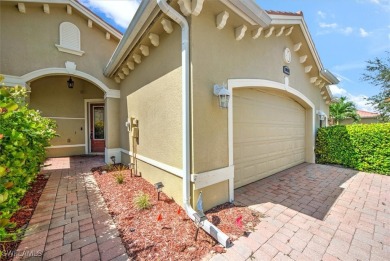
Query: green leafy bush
pixel 364 147
pixel 24 134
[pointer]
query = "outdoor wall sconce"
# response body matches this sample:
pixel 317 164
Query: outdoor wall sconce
pixel 223 95
pixel 70 83
pixel 158 186
pixel 200 217
pixel 321 115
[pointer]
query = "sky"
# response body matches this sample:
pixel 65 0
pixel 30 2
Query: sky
pixel 346 33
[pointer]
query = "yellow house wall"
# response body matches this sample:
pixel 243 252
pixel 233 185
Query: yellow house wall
pixel 217 57
pixel 28 41
pixel 152 94
pixel 51 96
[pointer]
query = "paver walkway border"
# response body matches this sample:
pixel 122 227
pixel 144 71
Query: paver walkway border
pixel 71 221
pixel 316 212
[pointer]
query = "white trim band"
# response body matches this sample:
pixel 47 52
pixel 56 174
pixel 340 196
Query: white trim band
pixel 65 146
pixel 160 165
pixel 63 118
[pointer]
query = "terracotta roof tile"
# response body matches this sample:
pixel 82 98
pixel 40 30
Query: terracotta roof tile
pixel 273 12
pixel 367 114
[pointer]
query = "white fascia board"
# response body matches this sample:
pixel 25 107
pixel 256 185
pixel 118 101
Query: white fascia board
pixel 298 20
pixel 145 14
pixel 79 7
pixel 249 11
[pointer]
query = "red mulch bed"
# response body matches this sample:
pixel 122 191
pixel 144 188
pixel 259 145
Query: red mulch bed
pixel 28 204
pixel 164 232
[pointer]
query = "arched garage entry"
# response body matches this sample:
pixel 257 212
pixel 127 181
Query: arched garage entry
pixel 271 128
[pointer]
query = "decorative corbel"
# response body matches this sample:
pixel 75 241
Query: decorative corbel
pixel 154 39
pixel 69 9
pixel 167 25
pixel 297 46
pixel 280 31
pixel 308 68
pixel 197 6
pixel 289 31
pixel 137 58
pixel 303 58
pixel 240 32
pixel 125 70
pixel 117 79
pixel 313 79
pixel 257 32
pixel 46 8
pixel 90 23
pixel 144 50
pixel 269 32
pixel 221 19
pixel 185 6
pixel 22 8
pixel 121 75
pixel 108 36
pixel 130 65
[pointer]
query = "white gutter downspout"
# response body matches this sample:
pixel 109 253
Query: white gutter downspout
pixel 221 237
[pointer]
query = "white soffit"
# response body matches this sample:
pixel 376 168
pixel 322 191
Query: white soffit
pixel 249 11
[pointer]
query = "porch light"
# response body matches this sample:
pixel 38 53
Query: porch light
pixel 70 83
pixel 321 115
pixel 223 95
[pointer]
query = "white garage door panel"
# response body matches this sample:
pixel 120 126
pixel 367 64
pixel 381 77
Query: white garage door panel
pixel 269 134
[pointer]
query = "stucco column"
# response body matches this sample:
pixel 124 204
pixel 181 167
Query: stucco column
pixel 112 127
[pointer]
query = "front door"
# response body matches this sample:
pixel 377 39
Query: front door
pixel 97 127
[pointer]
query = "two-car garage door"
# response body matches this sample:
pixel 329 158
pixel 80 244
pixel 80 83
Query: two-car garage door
pixel 268 134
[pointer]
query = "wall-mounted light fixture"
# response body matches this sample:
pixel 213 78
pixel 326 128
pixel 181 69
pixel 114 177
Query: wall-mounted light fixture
pixel 321 115
pixel 70 83
pixel 223 95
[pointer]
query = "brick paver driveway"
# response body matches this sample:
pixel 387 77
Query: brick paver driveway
pixel 316 212
pixel 71 221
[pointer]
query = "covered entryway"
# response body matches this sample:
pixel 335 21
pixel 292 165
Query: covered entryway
pixel 269 130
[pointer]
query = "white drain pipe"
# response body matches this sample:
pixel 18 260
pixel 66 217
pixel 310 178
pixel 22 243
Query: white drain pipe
pixel 185 61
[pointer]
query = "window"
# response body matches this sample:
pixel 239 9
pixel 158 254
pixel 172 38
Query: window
pixel 69 39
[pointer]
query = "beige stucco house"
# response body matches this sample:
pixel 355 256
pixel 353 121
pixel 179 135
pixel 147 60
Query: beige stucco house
pixel 366 117
pixel 158 90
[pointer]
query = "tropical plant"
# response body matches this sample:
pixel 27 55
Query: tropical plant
pixel 341 109
pixel 24 134
pixel 142 201
pixel 378 74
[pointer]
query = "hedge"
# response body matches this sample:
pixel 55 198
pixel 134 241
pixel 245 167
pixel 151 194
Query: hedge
pixel 24 134
pixel 364 147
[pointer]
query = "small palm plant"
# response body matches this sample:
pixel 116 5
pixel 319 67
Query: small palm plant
pixel 341 109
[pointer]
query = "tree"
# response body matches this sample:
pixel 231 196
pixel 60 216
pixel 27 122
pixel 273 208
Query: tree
pixel 378 74
pixel 341 109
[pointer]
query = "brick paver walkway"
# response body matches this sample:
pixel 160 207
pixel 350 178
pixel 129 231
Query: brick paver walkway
pixel 316 212
pixel 71 221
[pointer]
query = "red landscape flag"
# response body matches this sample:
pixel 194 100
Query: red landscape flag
pixel 239 221
pixel 179 210
pixel 159 218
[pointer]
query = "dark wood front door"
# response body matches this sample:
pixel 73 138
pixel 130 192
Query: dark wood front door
pixel 97 134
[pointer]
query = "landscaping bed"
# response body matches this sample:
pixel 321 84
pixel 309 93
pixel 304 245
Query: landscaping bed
pixel 163 231
pixel 22 217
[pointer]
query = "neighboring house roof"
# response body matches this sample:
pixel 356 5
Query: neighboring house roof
pixel 77 6
pixel 367 114
pixel 273 12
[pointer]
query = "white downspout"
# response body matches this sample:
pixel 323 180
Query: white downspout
pixel 185 60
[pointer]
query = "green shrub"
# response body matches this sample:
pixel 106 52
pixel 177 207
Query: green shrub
pixel 142 201
pixel 24 134
pixel 364 147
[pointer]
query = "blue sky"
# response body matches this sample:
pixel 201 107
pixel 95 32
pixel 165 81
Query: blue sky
pixel 347 33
